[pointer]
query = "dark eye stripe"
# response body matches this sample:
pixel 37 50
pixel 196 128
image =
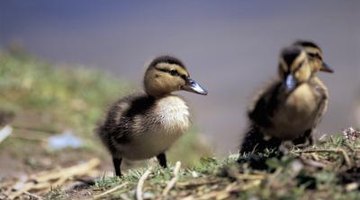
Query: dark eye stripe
pixel 298 66
pixel 184 77
pixel 163 70
pixel 315 55
pixel 173 72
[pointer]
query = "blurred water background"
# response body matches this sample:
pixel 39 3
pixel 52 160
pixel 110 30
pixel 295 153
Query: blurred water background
pixel 230 47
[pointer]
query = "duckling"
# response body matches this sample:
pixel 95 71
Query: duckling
pixel 291 106
pixel 144 125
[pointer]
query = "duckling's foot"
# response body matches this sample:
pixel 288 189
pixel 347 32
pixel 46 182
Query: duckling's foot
pixel 162 160
pixel 117 164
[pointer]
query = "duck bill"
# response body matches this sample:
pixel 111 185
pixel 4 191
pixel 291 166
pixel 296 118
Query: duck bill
pixel 290 82
pixel 326 68
pixel 193 86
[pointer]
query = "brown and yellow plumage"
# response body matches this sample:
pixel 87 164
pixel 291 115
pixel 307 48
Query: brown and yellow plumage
pixel 145 125
pixel 291 106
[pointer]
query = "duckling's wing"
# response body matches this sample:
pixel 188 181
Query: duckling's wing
pixel 110 129
pixel 119 125
pixel 265 106
pixel 322 100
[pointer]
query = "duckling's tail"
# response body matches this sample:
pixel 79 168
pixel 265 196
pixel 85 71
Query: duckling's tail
pixel 101 133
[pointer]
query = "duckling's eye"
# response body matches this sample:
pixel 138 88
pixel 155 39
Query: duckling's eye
pixel 173 72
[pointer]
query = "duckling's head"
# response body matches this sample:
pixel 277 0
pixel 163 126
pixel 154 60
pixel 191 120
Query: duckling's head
pixel 315 56
pixel 167 74
pixel 294 67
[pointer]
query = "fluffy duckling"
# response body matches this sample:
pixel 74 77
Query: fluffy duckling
pixel 292 106
pixel 141 126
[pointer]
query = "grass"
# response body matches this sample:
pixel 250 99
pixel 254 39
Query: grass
pixel 321 174
pixel 48 100
pixel 72 96
pixel 45 101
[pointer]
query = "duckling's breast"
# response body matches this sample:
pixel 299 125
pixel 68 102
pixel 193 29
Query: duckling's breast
pixel 159 129
pixel 173 114
pixel 299 112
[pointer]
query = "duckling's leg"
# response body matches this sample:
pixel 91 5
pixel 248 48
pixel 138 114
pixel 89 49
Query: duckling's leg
pixel 162 160
pixel 305 140
pixel 117 164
